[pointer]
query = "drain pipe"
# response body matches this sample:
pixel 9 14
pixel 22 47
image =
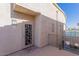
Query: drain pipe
pixel 58 42
pixel 57 29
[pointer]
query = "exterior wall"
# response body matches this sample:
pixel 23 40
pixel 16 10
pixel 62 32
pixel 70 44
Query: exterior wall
pixel 44 9
pixel 12 36
pixel 4 32
pixel 43 21
pixel 5 14
pixel 49 31
pixel 37 40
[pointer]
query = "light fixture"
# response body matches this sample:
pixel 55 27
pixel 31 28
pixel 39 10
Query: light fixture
pixel 14 21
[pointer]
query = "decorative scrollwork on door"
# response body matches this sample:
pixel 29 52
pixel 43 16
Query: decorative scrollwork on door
pixel 28 34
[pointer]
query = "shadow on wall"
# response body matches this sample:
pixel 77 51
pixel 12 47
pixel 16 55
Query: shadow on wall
pixel 11 38
pixel 51 31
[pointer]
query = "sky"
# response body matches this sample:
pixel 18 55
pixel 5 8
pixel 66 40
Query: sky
pixel 72 12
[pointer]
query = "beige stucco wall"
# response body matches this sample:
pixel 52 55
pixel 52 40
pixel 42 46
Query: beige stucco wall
pixel 44 22
pixel 12 36
pixel 47 9
pixel 46 35
pixel 4 14
pixel 4 20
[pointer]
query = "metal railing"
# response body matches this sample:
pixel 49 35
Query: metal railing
pixel 72 38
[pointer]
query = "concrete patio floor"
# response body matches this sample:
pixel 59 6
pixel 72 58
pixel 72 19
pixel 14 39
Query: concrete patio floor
pixel 45 51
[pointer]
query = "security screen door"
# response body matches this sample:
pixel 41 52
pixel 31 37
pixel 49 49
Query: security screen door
pixel 28 34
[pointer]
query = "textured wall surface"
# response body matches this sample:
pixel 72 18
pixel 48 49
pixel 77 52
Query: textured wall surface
pixel 12 36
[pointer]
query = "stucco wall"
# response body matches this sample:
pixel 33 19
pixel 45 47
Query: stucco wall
pixel 48 16
pixel 4 21
pixel 4 14
pixel 37 36
pixel 47 9
pixel 48 31
pixel 12 37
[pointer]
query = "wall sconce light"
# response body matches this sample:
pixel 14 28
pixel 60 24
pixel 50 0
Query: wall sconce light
pixel 14 22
